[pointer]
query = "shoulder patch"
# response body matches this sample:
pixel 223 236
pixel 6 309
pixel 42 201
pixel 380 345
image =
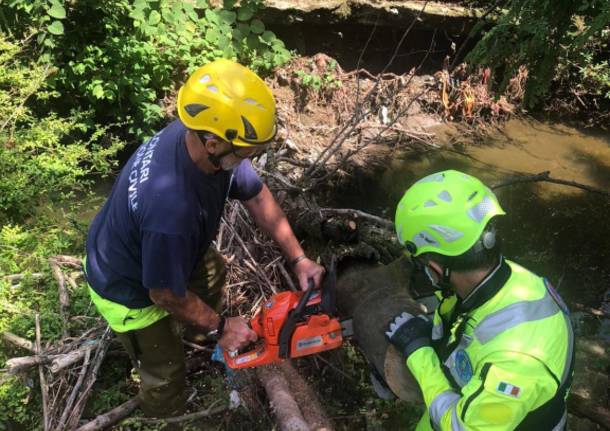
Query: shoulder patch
pixel 508 389
pixel 463 368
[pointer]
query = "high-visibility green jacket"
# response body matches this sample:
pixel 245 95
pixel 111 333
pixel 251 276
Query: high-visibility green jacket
pixel 502 357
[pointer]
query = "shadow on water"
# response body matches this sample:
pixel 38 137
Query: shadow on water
pixel 557 231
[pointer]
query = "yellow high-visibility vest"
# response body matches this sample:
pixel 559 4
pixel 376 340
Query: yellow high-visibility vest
pixel 505 363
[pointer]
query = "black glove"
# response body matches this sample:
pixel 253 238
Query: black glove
pixel 408 333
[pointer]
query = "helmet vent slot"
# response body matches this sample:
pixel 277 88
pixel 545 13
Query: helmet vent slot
pixel 205 79
pixel 478 212
pixel 195 108
pixel 250 132
pixel 434 178
pixel 471 197
pixel 213 88
pixel 250 101
pixel 445 196
pixel 429 204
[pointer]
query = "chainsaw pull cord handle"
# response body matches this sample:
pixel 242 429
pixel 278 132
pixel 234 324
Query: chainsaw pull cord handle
pixel 291 321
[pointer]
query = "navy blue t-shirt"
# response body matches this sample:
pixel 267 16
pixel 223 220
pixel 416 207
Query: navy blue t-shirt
pixel 161 217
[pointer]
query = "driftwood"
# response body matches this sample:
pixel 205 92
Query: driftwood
pixel 546 177
pixel 111 417
pixel 18 341
pixel 285 408
pixel 306 399
pixel 64 297
pixel 44 389
pixel 388 224
pixel 210 411
pixel 22 363
pixel 61 362
pixel 74 393
pixel 18 277
pixel 79 406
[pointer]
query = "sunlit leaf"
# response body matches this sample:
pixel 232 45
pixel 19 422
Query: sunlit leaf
pixel 56 28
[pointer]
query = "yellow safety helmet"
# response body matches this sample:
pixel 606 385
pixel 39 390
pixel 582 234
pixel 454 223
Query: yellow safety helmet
pixel 229 100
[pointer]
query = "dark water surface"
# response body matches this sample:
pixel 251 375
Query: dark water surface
pixel 557 231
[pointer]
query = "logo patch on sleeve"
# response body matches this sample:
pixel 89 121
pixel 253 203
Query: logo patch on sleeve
pixel 508 389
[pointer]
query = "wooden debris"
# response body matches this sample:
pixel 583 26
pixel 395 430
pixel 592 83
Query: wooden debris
pixel 44 389
pixel 285 408
pixel 18 341
pixel 306 398
pixel 110 418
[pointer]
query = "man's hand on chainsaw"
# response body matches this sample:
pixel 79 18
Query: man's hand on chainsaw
pixel 306 269
pixel 237 334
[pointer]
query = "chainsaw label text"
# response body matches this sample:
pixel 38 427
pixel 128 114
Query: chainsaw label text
pixel 309 342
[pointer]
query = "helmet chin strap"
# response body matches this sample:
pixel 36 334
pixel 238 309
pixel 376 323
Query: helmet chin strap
pixel 444 284
pixel 216 158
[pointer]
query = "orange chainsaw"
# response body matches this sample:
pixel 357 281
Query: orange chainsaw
pixel 293 324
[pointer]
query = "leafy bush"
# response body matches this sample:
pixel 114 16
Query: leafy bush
pixel 45 159
pixel 122 58
pixel 41 159
pixel 547 36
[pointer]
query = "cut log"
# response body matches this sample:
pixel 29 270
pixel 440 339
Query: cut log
pixel 285 408
pixel 386 286
pixel 306 398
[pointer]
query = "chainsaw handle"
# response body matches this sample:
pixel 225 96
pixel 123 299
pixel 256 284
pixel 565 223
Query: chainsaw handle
pixel 291 321
pixel 298 311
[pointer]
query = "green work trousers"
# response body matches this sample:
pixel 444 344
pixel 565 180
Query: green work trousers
pixel 157 352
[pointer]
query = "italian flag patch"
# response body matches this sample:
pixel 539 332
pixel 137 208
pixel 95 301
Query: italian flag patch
pixel 508 389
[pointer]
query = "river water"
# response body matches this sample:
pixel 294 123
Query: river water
pixel 557 231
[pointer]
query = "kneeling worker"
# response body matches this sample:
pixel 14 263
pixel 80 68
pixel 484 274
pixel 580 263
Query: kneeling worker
pixel 499 353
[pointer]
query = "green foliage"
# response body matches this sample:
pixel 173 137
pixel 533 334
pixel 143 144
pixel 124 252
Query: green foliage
pixel 15 397
pixel 45 160
pixel 41 159
pixel 122 60
pixel 542 35
pixel 320 81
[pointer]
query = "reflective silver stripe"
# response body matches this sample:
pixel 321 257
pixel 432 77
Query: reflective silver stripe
pixel 513 315
pixel 566 369
pixel 440 405
pixel 456 425
pixel 562 423
pixel 437 331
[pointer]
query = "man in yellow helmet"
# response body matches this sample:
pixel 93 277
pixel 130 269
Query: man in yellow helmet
pixel 149 254
pixel 499 353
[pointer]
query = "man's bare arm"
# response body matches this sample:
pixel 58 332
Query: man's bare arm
pixel 189 308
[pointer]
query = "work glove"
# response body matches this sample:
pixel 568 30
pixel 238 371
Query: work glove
pixel 408 333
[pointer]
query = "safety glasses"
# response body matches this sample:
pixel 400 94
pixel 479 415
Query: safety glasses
pixel 238 151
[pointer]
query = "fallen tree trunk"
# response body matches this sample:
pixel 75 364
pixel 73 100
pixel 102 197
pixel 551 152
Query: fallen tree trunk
pixel 284 406
pixel 385 286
